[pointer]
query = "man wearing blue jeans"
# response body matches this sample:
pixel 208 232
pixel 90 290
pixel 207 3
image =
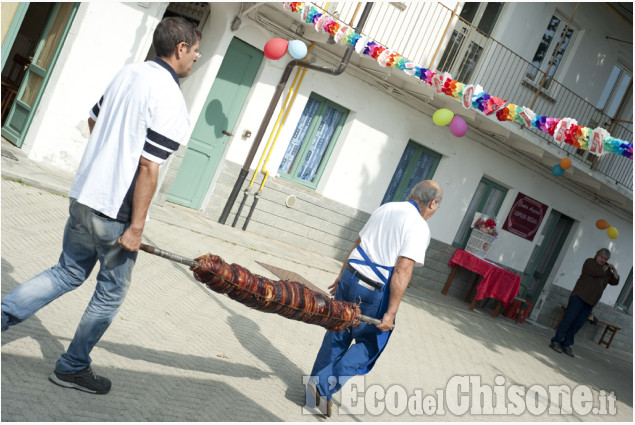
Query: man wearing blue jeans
pixel 139 121
pixel 375 275
pixel 596 274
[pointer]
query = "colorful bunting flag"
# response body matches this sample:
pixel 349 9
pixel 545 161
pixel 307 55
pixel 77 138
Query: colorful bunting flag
pixel 564 130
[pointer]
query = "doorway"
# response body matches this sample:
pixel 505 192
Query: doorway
pixel 215 124
pixel 33 52
pixel 417 163
pixel 534 285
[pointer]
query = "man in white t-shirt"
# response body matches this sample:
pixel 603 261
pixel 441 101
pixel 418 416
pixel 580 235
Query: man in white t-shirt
pixel 375 275
pixel 139 121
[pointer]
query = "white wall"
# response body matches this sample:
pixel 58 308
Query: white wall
pixel 374 137
pixel 589 58
pixel 365 157
pixel 103 37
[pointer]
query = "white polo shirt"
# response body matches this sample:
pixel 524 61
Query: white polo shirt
pixel 142 113
pixel 396 229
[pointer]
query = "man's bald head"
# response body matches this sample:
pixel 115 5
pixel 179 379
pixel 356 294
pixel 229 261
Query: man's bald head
pixel 428 195
pixel 426 192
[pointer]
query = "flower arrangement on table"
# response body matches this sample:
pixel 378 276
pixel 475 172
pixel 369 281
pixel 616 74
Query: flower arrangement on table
pixel 486 226
pixel 481 240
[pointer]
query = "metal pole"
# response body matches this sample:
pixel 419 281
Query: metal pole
pixel 251 210
pixel 272 106
pixel 240 208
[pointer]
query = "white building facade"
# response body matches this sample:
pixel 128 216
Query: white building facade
pixel 374 127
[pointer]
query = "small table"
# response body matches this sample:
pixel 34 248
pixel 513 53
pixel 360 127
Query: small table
pixel 496 282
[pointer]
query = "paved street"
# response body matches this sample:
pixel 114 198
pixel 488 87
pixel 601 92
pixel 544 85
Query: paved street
pixel 180 352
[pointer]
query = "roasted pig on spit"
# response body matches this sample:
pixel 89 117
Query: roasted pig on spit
pixel 292 300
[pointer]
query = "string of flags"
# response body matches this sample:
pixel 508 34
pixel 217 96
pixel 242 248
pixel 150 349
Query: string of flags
pixel 563 130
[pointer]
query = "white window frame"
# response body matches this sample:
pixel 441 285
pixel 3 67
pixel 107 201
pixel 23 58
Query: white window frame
pixel 614 90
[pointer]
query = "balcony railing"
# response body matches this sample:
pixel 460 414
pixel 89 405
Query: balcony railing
pixel 436 37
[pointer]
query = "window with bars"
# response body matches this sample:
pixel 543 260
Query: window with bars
pixel 313 140
pixel 487 199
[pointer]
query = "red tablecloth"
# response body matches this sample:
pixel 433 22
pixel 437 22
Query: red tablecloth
pixel 496 283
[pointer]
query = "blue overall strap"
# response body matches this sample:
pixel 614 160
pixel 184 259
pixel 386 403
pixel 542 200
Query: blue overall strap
pixel 367 261
pixel 381 337
pixel 415 204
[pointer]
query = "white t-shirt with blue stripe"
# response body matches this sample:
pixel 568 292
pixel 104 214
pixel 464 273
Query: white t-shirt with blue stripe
pixel 142 113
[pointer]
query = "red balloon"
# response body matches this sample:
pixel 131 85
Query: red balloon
pixel 276 48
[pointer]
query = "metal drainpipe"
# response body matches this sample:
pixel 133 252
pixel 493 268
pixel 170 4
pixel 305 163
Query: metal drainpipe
pixel 264 165
pixel 283 112
pixel 272 106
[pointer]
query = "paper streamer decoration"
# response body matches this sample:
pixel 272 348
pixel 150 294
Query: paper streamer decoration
pixel 596 141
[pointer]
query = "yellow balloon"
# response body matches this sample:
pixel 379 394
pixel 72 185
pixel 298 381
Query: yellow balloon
pixel 612 232
pixel 442 117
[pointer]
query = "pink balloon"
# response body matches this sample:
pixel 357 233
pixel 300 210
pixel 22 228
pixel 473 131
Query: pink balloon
pixel 276 48
pixel 458 126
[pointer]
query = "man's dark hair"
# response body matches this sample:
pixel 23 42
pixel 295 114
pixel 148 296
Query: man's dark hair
pixel 604 251
pixel 170 32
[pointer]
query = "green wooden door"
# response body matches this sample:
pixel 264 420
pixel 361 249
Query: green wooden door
pixel 216 121
pixel 39 71
pixel 417 163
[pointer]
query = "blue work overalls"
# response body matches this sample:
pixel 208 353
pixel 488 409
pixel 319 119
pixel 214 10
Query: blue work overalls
pixel 338 360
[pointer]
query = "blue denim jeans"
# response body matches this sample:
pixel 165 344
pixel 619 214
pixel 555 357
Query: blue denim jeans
pixel 88 238
pixel 338 360
pixel 577 313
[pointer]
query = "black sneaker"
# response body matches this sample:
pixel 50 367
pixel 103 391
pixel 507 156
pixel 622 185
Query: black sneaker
pixel 85 380
pixel 556 346
pixel 568 351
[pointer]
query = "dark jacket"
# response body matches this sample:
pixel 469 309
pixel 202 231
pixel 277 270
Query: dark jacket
pixel 593 281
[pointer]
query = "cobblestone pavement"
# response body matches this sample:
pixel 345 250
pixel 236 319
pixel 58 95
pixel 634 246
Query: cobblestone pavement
pixel 180 352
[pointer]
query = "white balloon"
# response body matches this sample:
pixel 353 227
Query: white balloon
pixel 297 49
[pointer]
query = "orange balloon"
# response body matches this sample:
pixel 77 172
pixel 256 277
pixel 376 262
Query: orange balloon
pixel 602 224
pixel 565 163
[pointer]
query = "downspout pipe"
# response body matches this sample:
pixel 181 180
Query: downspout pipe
pixel 272 106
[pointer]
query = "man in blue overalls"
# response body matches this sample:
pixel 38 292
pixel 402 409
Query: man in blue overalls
pixel 375 275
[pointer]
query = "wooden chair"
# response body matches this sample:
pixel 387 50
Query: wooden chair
pixel 610 329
